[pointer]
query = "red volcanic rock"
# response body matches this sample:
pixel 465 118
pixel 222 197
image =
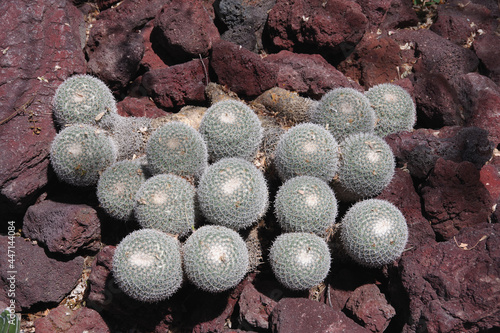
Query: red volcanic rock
pixel 488 53
pixel 241 70
pixel 453 286
pixel 400 15
pixel 308 74
pixel 34 60
pixel 139 107
pixel 63 228
pixel 255 307
pixel 100 296
pixel 150 60
pixel 316 25
pixel 454 198
pixel 185 29
pixel 63 319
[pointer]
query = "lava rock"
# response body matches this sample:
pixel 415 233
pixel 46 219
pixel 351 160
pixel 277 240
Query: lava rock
pixel 100 296
pixel 485 49
pixel 63 319
pixel 400 15
pixel 63 228
pixel 255 308
pixel 151 59
pixel 139 107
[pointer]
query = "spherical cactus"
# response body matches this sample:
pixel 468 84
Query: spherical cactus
pixel 147 265
pixel 177 148
pixel 300 260
pixel 307 204
pixel 130 135
pixel 166 202
pixel 367 167
pixel 307 150
pixel 233 193
pixel 393 107
pixel 117 187
pixel 79 153
pixel 83 99
pixel 344 111
pixel 231 129
pixel 215 258
pixel 374 232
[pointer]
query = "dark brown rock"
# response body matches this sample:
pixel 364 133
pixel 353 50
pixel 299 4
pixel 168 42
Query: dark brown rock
pixel 243 71
pixel 100 297
pixel 150 60
pixel 400 15
pixel 63 319
pixel 255 308
pixel 63 228
pixel 454 286
pixel 39 279
pixel 370 307
pixel 488 53
pixel 454 198
pixel 305 315
pixel 185 29
pixel 139 107
pixel 35 59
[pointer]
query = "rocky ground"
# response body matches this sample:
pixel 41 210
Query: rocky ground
pixel 158 57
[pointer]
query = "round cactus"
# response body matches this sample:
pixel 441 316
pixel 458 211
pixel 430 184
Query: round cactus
pixel 215 258
pixel 307 204
pixel 367 167
pixel 233 193
pixel 166 203
pixel 79 153
pixel 231 129
pixel 300 260
pixel 130 135
pixel 394 108
pixel 147 265
pixel 83 99
pixel 117 187
pixel 307 150
pixel 374 232
pixel 344 111
pixel 177 148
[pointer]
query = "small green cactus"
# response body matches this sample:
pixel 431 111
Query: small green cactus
pixel 147 265
pixel 374 232
pixel 344 111
pixel 79 153
pixel 215 258
pixel 307 150
pixel 9 322
pixel 394 108
pixel 177 148
pixel 117 187
pixel 231 129
pixel 300 260
pixel 83 99
pixel 306 204
pixel 166 202
pixel 233 193
pixel 367 167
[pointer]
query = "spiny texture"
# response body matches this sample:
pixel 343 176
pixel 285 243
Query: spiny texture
pixel 130 135
pixel 215 258
pixel 374 232
pixel 367 167
pixel 307 149
pixel 233 193
pixel 344 111
pixel 83 99
pixel 300 260
pixel 166 203
pixel 117 187
pixel 147 265
pixel 80 152
pixel 231 129
pixel 393 107
pixel 177 148
pixel 307 204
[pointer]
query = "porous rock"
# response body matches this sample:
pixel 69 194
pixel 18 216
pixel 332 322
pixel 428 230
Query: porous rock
pixel 485 49
pixel 139 107
pixel 255 308
pixel 63 319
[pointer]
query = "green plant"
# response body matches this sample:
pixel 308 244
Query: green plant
pixel 374 232
pixel 147 265
pixel 233 193
pixel 307 150
pixel 394 108
pixel 344 111
pixel 166 202
pixel 300 260
pixel 306 204
pixel 9 322
pixel 215 258
pixel 79 153
pixel 366 168
pixel 177 148
pixel 83 99
pixel 231 129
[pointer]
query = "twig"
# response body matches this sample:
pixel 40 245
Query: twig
pixel 18 110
